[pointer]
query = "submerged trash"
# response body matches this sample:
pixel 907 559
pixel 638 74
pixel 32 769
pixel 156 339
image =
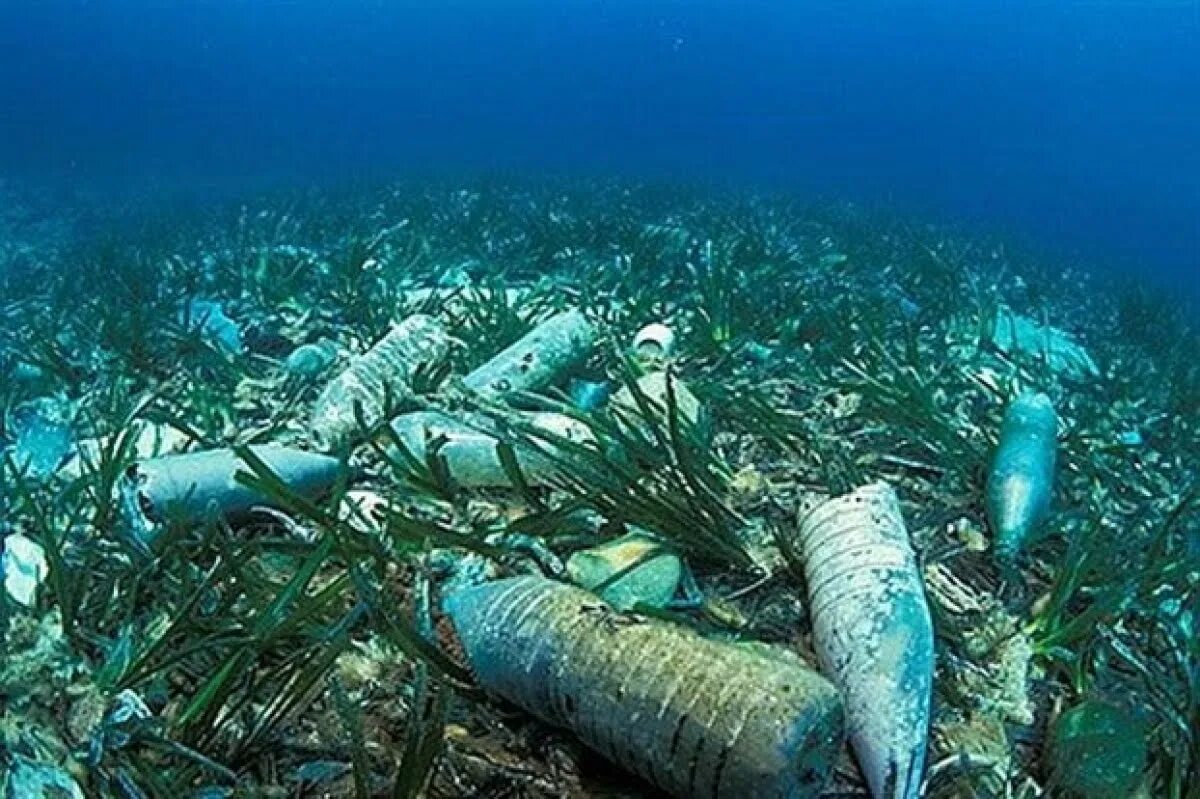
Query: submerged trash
pixel 31 779
pixel 150 440
pixel 311 360
pixel 385 370
pixel 23 567
pixel 654 344
pixel 589 395
pixel 659 388
pixel 1097 750
pixel 538 358
pixel 210 319
pixel 1013 333
pixel 41 432
pixel 184 487
pixel 872 630
pixel 695 717
pixel 632 569
pixel 471 455
pixel 1021 477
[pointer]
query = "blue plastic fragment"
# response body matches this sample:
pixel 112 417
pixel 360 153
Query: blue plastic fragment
pixel 588 395
pixel 214 325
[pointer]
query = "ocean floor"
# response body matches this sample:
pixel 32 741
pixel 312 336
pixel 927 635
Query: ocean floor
pixel 268 622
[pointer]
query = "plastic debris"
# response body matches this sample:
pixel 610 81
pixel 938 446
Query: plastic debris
pixel 538 359
pixel 455 298
pixel 1131 438
pixel 1021 478
pixel 657 387
pixel 654 344
pixel 1098 751
pixel 589 395
pixel 1013 333
pixel 42 438
pixel 385 370
pixel 209 317
pixel 311 360
pixel 149 441
pixel 633 569
pixel 471 455
pixel 32 779
pixel 126 716
pixel 694 716
pixel 186 487
pixel 23 567
pixel 872 630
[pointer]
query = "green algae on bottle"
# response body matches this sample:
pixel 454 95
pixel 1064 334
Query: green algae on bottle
pixel 694 716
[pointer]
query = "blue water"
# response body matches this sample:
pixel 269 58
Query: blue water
pixel 1072 125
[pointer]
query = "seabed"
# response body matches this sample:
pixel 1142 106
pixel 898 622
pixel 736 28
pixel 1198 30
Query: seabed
pixel 300 649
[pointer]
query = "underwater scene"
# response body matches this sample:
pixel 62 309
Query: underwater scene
pixel 599 399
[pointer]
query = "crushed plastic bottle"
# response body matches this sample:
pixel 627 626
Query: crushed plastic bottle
pixel 384 370
pixel 694 716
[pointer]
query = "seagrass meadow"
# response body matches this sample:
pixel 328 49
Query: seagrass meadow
pixel 300 649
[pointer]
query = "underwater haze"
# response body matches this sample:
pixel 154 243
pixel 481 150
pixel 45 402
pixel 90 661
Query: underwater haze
pixel 1071 124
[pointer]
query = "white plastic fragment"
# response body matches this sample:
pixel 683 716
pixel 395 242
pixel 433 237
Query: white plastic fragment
pixel 1063 355
pixel 654 343
pixel 24 568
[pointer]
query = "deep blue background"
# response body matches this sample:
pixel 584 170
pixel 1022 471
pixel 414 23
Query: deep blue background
pixel 1074 124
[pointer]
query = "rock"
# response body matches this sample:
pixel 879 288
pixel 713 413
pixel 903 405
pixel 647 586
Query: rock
pixel 1097 750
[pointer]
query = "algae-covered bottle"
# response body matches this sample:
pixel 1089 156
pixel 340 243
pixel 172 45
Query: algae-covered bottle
pixel 384 370
pixel 696 717
pixel 538 358
pixel 1021 478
